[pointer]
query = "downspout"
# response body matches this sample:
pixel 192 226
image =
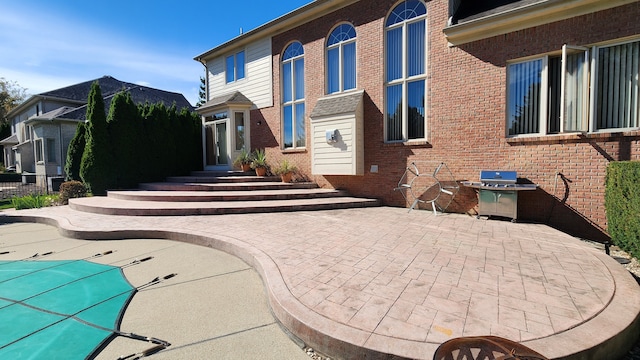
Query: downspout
pixel 61 147
pixel 202 128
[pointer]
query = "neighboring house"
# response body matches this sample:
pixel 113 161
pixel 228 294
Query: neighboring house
pixel 43 125
pixel 353 92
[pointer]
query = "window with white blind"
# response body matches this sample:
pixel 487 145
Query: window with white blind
pixel 293 110
pixel 341 59
pixel 405 80
pixel 579 90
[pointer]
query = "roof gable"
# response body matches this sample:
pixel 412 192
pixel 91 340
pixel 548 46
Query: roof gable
pixel 234 98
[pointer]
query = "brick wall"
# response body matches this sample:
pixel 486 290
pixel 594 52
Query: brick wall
pixel 465 115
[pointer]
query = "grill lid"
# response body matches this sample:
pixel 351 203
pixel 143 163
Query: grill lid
pixel 498 176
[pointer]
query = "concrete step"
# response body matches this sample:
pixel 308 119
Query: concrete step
pixel 113 206
pixel 207 196
pixel 222 179
pixel 221 173
pixel 234 186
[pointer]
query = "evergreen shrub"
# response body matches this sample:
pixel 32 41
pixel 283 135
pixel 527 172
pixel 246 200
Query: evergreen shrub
pixel 622 204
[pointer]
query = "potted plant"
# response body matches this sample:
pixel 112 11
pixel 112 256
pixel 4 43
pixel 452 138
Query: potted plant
pixel 243 160
pixel 285 170
pixel 259 162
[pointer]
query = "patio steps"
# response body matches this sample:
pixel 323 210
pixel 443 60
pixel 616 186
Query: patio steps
pixel 217 193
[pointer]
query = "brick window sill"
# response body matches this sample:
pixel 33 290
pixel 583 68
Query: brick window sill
pixel 294 151
pixel 572 138
pixel 417 143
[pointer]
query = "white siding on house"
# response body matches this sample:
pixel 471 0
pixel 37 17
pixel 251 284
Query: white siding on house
pixel 346 155
pixel 256 85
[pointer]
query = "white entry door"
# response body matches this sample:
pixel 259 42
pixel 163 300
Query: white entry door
pixel 218 146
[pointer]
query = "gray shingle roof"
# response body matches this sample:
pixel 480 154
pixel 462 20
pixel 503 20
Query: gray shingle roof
pixel 110 86
pixel 236 98
pixel 335 105
pixel 11 140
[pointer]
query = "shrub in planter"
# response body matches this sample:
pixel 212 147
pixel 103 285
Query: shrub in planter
pixel 285 170
pixel 259 162
pixel 71 190
pixel 243 160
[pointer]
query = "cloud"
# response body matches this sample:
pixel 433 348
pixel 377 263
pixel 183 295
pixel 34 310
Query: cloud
pixel 58 52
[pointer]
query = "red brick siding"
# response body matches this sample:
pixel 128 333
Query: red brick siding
pixel 465 114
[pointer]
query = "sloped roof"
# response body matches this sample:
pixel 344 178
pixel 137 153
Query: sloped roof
pixel 336 105
pixel 53 114
pixel 109 86
pixel 11 140
pixel 234 98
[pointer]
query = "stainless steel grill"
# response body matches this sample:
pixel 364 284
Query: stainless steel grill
pixel 498 193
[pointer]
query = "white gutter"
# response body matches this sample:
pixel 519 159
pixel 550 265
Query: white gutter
pixel 524 17
pixel 306 13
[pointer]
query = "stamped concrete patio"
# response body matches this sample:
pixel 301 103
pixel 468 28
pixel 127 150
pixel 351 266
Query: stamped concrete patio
pixel 369 282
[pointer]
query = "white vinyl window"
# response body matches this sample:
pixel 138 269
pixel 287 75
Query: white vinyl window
pixel 341 59
pixel 405 80
pixel 551 94
pixel 235 65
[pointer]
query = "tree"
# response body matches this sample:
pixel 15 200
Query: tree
pixel 11 95
pixel 122 125
pixel 95 168
pixel 202 93
pixel 74 154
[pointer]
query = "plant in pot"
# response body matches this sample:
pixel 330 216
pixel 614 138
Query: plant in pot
pixel 243 160
pixel 285 170
pixel 259 162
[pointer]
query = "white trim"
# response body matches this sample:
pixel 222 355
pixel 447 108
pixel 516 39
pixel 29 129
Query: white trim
pixel 540 13
pixel 590 93
pixel 405 79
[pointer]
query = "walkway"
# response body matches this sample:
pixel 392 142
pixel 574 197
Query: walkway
pixel 366 282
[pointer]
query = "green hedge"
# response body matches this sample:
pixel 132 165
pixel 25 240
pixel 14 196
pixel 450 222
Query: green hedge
pixel 622 203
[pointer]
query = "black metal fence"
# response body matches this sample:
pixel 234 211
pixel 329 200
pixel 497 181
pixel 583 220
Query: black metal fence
pixel 12 185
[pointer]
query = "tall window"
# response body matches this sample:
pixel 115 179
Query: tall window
pixel 239 130
pixel 235 67
pixel 293 118
pixel 51 150
pixel 341 59
pixel 39 151
pixel 405 54
pixel 556 94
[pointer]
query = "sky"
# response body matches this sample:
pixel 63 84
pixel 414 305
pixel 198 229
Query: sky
pixel 46 45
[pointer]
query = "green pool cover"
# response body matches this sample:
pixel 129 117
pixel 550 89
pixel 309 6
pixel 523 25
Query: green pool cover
pixel 59 309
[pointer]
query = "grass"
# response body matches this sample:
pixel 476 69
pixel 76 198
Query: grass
pixel 33 201
pixel 6 204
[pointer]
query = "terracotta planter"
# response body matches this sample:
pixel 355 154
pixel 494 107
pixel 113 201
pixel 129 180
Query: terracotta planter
pixel 261 171
pixel 245 167
pixel 286 177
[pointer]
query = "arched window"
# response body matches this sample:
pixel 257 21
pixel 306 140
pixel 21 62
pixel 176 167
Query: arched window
pixel 293 119
pixel 341 59
pixel 405 80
